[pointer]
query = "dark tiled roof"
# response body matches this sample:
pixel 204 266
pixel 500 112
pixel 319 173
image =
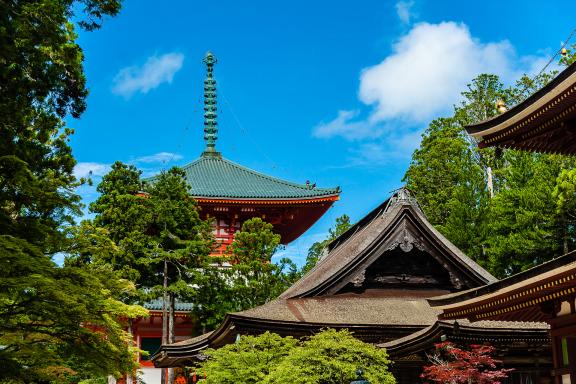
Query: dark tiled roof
pixel 217 177
pixel 347 310
pixel 156 305
pixel 193 340
pixel 531 273
pixel 532 99
pixel 348 248
pixel 510 334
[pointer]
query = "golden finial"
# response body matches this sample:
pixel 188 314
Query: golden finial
pixel 501 106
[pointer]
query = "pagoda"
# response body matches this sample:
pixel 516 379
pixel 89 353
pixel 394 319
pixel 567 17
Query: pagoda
pixel 375 282
pixel 231 194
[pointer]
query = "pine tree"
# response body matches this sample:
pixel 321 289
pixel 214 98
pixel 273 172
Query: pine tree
pixel 57 323
pixel 250 277
pixel 494 204
pixel 449 184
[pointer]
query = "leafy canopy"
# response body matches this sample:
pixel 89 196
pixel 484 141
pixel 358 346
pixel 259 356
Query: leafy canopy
pixel 498 206
pixel 329 357
pixel 251 279
pixel 58 324
pixel 149 224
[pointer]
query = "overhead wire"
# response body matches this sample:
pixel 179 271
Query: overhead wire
pixel 559 51
pixel 245 131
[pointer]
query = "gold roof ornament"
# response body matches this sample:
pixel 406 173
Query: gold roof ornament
pixel 501 106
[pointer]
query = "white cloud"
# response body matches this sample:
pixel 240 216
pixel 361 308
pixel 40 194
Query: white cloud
pixel 421 79
pixel 404 11
pixel 429 67
pixel 346 125
pixel 155 71
pixel 160 157
pixel 397 146
pixel 90 169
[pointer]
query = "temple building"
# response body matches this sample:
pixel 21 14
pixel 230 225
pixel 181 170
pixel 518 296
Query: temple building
pixel 230 194
pixel 545 122
pixel 375 281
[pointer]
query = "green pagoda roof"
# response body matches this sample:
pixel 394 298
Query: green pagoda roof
pixel 212 176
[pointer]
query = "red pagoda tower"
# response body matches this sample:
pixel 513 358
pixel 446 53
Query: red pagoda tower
pixel 232 194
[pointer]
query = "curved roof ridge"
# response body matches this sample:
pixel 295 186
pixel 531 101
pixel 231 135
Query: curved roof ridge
pixel 354 243
pixel 268 177
pixel 355 229
pixel 218 177
pixel 458 252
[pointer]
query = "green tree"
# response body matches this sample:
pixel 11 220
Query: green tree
pixel 125 213
pixel 251 279
pixel 329 357
pixel 160 242
pixel 317 250
pixel 524 226
pixel 496 205
pixel 249 360
pixel 58 324
pixel 183 241
pixel 256 241
pixel 332 357
pixel 155 236
pixel 449 183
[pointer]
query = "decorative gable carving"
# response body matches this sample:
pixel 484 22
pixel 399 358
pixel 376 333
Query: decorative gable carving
pixel 406 259
pixel 392 247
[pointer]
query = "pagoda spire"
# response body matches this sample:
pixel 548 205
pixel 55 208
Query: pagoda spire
pixel 210 123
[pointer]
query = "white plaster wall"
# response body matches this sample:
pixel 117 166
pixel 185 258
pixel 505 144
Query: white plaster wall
pixel 151 375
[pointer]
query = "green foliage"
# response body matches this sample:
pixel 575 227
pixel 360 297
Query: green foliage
pixel 139 226
pixel 317 250
pixel 523 225
pixel 332 357
pixel 565 191
pixel 449 184
pixel 251 280
pixel 58 324
pixel 126 214
pixel 255 242
pixel 182 239
pixel 329 357
pixel 53 320
pixel 495 205
pixel 249 360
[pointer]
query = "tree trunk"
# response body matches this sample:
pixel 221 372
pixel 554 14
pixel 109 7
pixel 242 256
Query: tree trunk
pixel 131 332
pixel 164 305
pixel 172 319
pixel 171 333
pixel 165 316
pixel 489 181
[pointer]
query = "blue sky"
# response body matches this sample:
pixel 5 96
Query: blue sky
pixel 335 92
